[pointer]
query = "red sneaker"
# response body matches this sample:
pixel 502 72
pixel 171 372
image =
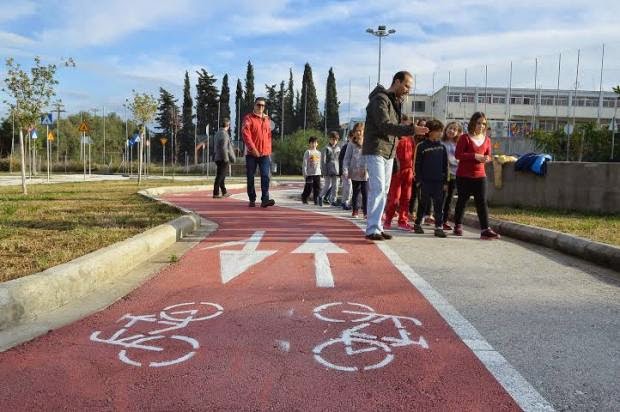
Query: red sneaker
pixel 458 230
pixel 387 225
pixel 429 221
pixel 355 213
pixel 489 234
pixel 447 226
pixel 405 226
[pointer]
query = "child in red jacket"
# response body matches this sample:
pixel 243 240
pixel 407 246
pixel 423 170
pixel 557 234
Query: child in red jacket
pixel 473 150
pixel 400 185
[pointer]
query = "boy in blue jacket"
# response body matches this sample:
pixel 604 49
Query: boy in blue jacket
pixel 431 172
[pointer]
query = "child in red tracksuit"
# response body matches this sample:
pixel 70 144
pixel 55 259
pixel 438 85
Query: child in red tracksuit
pixel 400 185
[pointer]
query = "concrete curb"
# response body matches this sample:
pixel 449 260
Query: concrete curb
pixel 596 252
pixel 27 298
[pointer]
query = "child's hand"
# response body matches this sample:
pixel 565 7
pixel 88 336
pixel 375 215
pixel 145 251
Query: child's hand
pixel 489 159
pixel 480 158
pixel 445 188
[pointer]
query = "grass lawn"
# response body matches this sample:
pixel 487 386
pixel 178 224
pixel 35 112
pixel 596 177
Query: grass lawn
pixel 56 223
pixel 601 228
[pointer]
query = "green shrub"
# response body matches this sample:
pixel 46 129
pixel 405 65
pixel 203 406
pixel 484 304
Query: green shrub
pixel 289 152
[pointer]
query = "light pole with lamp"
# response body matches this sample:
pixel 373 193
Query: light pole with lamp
pixel 381 32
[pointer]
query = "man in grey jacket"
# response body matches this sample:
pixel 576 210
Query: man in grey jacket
pixel 381 133
pixel 224 154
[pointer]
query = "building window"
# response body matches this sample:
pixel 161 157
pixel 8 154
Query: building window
pixel 498 99
pixel 468 98
pixel 609 102
pixel 529 99
pixel 562 101
pixel 418 106
pixel 586 101
pixel 454 97
pixel 547 100
pixel 516 99
pixel 482 98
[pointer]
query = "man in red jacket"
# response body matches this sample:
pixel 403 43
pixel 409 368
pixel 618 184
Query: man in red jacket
pixel 256 134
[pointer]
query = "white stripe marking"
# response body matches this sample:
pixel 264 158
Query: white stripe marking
pixel 511 380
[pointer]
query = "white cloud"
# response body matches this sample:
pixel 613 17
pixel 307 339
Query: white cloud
pixel 13 10
pixel 99 23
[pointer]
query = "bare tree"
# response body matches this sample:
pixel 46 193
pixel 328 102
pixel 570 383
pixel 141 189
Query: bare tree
pixel 143 107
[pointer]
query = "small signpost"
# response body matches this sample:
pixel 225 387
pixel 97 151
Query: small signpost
pixel 47 121
pixel 163 142
pixel 85 129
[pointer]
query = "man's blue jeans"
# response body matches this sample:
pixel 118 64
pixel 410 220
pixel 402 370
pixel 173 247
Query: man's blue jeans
pixel 379 176
pixel 264 162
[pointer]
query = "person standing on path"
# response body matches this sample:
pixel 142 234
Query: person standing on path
pixel 431 173
pixel 330 169
pixel 400 186
pixel 345 180
pixel 473 150
pixel 256 134
pixel 223 156
pixel 311 168
pixel 381 133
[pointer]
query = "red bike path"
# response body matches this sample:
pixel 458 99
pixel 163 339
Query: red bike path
pixel 267 349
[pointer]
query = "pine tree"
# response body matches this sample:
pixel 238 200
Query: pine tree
pixel 309 102
pixel 165 118
pixel 248 101
pixel 331 103
pixel 186 134
pixel 238 108
pixel 299 113
pixel 224 100
pixel 207 98
pixel 274 106
pixel 289 106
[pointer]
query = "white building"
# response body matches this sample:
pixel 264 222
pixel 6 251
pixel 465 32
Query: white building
pixel 513 112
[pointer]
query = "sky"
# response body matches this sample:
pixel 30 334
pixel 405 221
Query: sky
pixel 142 45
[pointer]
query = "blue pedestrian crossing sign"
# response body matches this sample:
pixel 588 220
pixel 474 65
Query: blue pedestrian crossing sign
pixel 46 119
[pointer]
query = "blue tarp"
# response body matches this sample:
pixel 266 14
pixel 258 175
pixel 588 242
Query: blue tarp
pixel 533 162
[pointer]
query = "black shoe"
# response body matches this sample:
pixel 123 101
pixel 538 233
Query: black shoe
pixel 267 203
pixel 439 232
pixel 252 204
pixel 386 236
pixel 375 236
pixel 418 229
pixel 304 201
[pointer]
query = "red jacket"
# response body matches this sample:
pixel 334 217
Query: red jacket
pixel 465 152
pixel 404 152
pixel 256 133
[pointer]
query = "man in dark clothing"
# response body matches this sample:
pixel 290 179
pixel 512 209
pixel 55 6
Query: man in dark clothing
pixel 223 156
pixel 431 172
pixel 345 181
pixel 381 133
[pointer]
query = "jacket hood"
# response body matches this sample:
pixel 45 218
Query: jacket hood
pixel 377 90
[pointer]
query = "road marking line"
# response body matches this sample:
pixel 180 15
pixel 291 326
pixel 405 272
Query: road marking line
pixel 511 380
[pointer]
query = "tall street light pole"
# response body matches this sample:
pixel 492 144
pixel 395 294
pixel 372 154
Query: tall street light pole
pixel 381 32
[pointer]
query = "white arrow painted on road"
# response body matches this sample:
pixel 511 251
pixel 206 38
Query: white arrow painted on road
pixel 235 262
pixel 320 246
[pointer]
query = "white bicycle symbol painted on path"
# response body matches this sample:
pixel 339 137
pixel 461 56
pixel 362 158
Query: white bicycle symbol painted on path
pixel 355 341
pixel 173 317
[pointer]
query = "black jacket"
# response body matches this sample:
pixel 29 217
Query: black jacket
pixel 343 151
pixel 431 162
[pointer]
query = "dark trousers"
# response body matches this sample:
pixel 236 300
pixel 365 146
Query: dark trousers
pixel 467 187
pixel 431 192
pixel 359 185
pixel 264 163
pixel 417 198
pixel 313 184
pixel 220 175
pixel 448 200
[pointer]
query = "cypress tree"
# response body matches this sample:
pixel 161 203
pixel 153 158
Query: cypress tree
pixel 309 101
pixel 331 103
pixel 206 102
pixel 248 103
pixel 186 135
pixel 238 109
pixel 224 100
pixel 299 113
pixel 289 106
pixel 165 118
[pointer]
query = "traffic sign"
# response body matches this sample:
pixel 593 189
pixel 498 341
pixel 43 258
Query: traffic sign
pixel 163 141
pixel 50 136
pixel 86 140
pixel 46 119
pixel 34 135
pixel 84 127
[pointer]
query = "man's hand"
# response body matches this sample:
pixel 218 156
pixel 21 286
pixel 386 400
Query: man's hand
pixel 254 152
pixel 420 130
